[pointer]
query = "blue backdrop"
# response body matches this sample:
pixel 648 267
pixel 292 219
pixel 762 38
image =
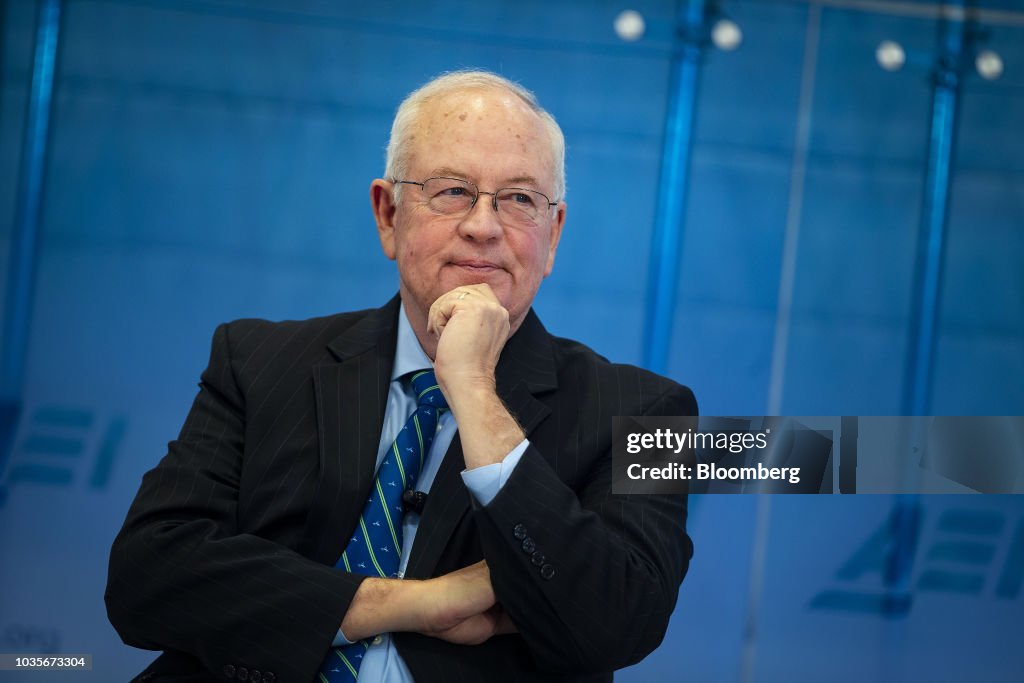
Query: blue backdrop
pixel 210 160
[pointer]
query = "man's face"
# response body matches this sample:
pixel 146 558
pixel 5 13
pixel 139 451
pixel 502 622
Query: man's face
pixel 492 139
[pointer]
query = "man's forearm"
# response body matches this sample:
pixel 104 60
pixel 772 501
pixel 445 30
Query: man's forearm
pixel 487 430
pixel 382 606
pixel 599 568
pixel 457 606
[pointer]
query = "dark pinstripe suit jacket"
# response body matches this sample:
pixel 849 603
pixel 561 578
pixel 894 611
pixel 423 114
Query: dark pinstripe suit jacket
pixel 226 558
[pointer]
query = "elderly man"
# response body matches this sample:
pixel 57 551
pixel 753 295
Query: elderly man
pixel 421 491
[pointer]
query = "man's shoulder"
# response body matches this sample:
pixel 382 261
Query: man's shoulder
pixel 591 373
pixel 258 344
pixel 261 328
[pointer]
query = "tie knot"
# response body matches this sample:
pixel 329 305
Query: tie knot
pixel 428 393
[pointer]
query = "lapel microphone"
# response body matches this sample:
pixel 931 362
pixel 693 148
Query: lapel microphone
pixel 414 500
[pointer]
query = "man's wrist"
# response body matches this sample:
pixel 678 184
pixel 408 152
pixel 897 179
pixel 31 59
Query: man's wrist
pixel 463 392
pixel 486 428
pixel 384 606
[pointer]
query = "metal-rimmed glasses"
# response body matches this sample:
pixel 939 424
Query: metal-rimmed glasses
pixel 454 196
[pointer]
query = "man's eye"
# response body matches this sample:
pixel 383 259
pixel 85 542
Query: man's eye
pixel 452 192
pixel 520 198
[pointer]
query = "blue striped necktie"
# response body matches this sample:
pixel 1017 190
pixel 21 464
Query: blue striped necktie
pixel 376 544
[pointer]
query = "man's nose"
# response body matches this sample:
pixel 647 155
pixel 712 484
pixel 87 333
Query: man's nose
pixel 482 223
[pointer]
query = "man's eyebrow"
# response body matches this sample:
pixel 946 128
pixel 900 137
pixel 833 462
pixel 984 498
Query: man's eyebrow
pixel 448 172
pixel 514 181
pixel 524 179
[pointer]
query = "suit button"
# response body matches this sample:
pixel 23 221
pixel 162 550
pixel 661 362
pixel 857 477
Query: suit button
pixel 528 545
pixel 229 670
pixel 255 676
pixel 537 558
pixel 519 532
pixel 269 677
pixel 547 571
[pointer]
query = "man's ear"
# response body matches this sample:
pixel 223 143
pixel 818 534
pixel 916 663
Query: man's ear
pixel 556 235
pixel 382 200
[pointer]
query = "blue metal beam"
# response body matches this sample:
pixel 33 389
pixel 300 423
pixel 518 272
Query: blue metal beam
pixel 666 240
pixel 25 237
pixel 927 286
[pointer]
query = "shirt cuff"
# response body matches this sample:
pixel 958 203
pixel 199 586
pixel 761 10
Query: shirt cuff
pixel 340 640
pixel 485 482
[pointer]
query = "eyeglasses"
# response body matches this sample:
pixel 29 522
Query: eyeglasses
pixel 454 196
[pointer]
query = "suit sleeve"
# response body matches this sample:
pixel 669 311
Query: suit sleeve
pixel 589 578
pixel 182 577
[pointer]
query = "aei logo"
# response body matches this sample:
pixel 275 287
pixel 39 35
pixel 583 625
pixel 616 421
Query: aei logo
pixel 969 553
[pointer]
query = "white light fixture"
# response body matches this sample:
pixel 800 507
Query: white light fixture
pixel 630 25
pixel 726 35
pixel 890 55
pixel 989 65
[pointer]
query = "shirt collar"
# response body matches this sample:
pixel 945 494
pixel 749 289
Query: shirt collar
pixel 409 355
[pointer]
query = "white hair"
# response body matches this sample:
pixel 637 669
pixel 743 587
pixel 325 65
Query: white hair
pixel 397 162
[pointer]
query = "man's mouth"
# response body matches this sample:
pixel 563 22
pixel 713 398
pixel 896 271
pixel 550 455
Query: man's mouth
pixel 476 266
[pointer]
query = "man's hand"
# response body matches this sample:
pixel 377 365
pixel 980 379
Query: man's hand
pixel 471 327
pixel 462 607
pixel 458 607
pixel 479 628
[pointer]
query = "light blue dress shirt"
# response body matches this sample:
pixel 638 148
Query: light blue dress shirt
pixel 382 663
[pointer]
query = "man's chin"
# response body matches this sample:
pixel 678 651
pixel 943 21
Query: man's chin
pixel 460 277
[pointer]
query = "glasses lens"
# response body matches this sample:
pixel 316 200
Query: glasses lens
pixel 448 195
pixel 521 205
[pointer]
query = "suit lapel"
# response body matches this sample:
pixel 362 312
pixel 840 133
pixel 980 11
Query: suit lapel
pixel 351 397
pixel 526 367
